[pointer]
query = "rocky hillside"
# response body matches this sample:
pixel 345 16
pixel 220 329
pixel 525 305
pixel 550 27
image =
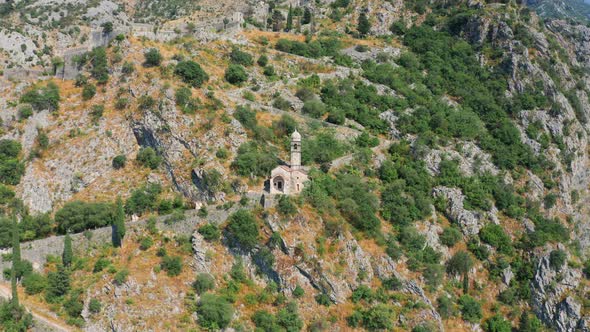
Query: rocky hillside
pixel 447 147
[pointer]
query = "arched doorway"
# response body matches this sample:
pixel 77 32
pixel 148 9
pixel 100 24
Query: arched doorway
pixel 278 183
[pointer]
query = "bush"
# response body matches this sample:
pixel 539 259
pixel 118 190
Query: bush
pixel 42 98
pixel 286 206
pixel 58 284
pixel 204 282
pixel 323 299
pixel 172 265
pixel 557 259
pixel 314 108
pixel 450 236
pixel 191 73
pixel 210 232
pixel 149 158
pixel 497 324
pixel 153 58
pixel 460 263
pixel 470 309
pixel 143 199
pixel 214 312
pixel 236 74
pixel 94 306
pixel 25 112
pixel 240 57
pixel 121 277
pixel 100 265
pixel 75 217
pixel 34 283
pixel 88 91
pixel 298 292
pixel 146 243
pixel 495 236
pixel 254 160
pixel 119 161
pixel 262 61
pixel 243 228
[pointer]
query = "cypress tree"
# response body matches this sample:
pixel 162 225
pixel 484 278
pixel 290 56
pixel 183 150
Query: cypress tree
pixel 67 255
pixel 306 16
pixel 118 225
pixel 364 26
pixel 15 261
pixel 290 19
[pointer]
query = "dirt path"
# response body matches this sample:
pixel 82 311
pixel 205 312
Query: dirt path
pixel 5 292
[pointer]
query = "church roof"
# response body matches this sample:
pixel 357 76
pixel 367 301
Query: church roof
pixel 296 136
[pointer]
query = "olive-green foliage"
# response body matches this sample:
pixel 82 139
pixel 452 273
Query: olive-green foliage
pixel 210 232
pixel 314 108
pixel 172 265
pixel 88 91
pixel 34 283
pixel 349 194
pixel 119 161
pixel 204 282
pixel 11 169
pixel 254 159
pixel 78 216
pixel 240 57
pixel 262 61
pixel 101 264
pixel 450 236
pixel 94 306
pixel 191 73
pixel 148 157
pixel 143 199
pixel 408 186
pixel 557 259
pixel 313 49
pixel 495 236
pixel 236 74
pixel 470 309
pixel 121 277
pixel 460 263
pixel 364 26
pixel 375 318
pixel 58 284
pixel 67 255
pixel 243 230
pixel 118 223
pixel 14 317
pixel 497 324
pixel 100 70
pixel 153 58
pixel 323 148
pixel 286 206
pixel 445 307
pixel 214 311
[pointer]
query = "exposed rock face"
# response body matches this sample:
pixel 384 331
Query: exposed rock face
pixel 551 297
pixel 472 160
pixel 469 221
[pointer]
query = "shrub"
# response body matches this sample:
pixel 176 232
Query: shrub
pixel 88 91
pixel 314 108
pixel 143 199
pixel 254 160
pixel 497 324
pixel 100 264
pixel 298 292
pixel 204 282
pixel 269 71
pixel 11 169
pixel 240 57
pixel 557 259
pixel 262 61
pixel 94 306
pixel 191 73
pixel 378 317
pixel 470 309
pixel 214 312
pixel 243 228
pixel 172 265
pixel 42 98
pixel 78 216
pixel 121 277
pixel 149 158
pixel 146 243
pixel 495 236
pixel 445 307
pixel 119 161
pixel 286 206
pixel 210 232
pixel 460 263
pixel 323 299
pixel 236 74
pixel 450 236
pixel 34 283
pixel 58 284
pixel 24 112
pixel 153 58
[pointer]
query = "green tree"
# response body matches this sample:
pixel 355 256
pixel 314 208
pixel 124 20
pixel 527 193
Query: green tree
pixel 470 309
pixel 15 261
pixel 153 58
pixel 148 157
pixel 236 74
pixel 58 284
pixel 214 312
pixel 118 224
pixel 290 19
pixel 204 282
pixel 244 229
pixel 497 324
pixel 67 255
pixel 191 73
pixel 364 26
pixel 307 16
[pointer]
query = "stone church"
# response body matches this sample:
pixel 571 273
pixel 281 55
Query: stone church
pixel 289 180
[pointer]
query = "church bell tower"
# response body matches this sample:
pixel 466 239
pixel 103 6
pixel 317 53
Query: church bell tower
pixel 295 150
